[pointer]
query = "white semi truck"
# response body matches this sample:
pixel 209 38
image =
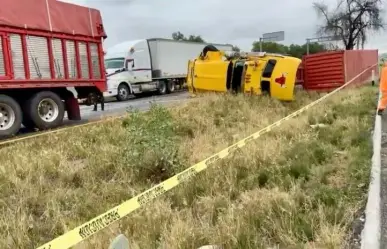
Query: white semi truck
pixel 138 66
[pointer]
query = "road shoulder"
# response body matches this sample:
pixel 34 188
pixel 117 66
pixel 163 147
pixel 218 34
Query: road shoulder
pixel 383 189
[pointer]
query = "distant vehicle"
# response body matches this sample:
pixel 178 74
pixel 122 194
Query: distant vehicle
pixel 51 46
pixel 251 72
pixel 138 66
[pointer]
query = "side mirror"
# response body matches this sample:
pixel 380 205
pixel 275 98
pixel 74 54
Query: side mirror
pixel 127 63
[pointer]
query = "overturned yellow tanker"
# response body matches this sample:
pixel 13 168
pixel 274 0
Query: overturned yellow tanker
pixel 251 73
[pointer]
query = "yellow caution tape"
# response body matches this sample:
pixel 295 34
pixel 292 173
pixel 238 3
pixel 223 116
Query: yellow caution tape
pixel 91 227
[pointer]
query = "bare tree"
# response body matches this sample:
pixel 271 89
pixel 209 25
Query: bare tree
pixel 351 21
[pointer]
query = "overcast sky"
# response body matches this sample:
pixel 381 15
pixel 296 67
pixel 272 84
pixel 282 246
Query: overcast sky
pixel 239 22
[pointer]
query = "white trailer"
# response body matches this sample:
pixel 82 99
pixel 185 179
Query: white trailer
pixel 134 67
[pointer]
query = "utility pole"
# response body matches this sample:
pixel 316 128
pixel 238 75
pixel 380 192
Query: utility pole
pixel 260 44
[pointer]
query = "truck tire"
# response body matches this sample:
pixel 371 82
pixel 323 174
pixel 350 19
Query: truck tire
pixel 171 86
pixel 123 92
pixel 44 110
pixel 162 87
pixel 10 116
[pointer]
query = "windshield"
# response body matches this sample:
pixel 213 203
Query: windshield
pixel 114 63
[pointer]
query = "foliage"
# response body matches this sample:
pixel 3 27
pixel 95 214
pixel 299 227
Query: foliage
pixel 153 152
pixel 295 187
pixel 178 36
pixel 351 20
pixel 292 50
pixel 235 48
pixel 272 47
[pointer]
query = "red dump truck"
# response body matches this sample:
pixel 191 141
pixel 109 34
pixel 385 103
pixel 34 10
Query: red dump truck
pixel 47 46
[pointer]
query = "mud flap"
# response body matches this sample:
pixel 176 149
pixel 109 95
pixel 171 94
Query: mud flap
pixel 73 110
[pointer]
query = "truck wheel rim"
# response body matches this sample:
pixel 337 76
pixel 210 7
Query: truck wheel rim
pixel 7 117
pixel 123 93
pixel 48 110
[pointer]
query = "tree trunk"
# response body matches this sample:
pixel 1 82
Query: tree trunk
pixel 350 45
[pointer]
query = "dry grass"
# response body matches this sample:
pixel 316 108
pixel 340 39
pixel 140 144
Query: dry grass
pixel 297 187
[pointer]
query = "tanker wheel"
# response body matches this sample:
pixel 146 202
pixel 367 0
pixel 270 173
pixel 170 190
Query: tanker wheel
pixel 10 116
pixel 162 87
pixel 171 86
pixel 45 110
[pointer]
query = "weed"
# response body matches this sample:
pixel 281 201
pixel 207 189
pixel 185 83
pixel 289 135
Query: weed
pixel 296 187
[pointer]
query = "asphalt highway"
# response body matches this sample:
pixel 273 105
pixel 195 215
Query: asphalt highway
pixel 112 108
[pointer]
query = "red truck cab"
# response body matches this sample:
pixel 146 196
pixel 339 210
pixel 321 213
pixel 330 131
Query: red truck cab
pixel 47 46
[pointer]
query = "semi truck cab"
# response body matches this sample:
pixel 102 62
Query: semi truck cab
pixel 251 73
pixel 127 65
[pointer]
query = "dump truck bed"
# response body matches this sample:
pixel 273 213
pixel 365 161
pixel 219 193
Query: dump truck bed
pixel 51 16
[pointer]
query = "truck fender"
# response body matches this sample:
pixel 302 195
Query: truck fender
pixel 128 85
